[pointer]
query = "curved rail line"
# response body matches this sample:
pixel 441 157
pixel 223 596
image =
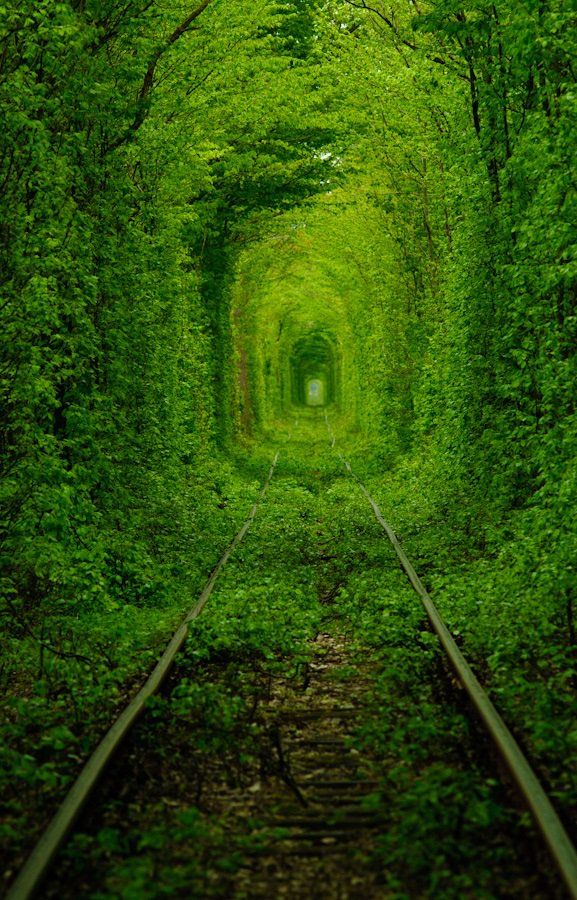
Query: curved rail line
pixel 544 814
pixel 38 863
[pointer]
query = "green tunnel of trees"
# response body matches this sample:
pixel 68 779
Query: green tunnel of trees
pixel 205 207
pixel 314 360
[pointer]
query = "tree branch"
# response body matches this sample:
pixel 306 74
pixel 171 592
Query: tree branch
pixel 176 34
pixel 364 5
pixel 148 81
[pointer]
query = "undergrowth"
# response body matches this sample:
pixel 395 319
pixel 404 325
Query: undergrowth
pixel 313 560
pixel 65 675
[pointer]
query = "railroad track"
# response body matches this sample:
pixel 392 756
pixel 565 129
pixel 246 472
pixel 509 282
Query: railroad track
pixel 316 808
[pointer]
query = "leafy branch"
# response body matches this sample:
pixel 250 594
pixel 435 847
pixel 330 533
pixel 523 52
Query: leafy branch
pixel 142 105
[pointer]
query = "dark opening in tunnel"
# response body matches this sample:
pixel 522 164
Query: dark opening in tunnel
pixel 315 370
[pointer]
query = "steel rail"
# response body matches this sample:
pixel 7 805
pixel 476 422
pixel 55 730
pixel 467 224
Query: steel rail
pixel 544 814
pixel 38 863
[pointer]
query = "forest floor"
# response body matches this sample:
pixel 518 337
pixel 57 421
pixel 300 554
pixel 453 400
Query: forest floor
pixel 311 742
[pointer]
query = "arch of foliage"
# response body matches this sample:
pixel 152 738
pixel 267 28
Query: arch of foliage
pixel 178 181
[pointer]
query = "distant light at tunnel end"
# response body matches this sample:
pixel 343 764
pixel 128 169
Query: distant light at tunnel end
pixel 315 392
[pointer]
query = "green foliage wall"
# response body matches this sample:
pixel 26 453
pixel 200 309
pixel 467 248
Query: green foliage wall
pixel 128 171
pixel 470 113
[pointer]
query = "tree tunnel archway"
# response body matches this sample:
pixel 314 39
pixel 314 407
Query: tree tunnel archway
pixel 301 320
pixel 315 370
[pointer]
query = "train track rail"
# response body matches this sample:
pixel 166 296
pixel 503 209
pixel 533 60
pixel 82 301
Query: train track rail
pixel 310 826
pixel 44 853
pixel 534 795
